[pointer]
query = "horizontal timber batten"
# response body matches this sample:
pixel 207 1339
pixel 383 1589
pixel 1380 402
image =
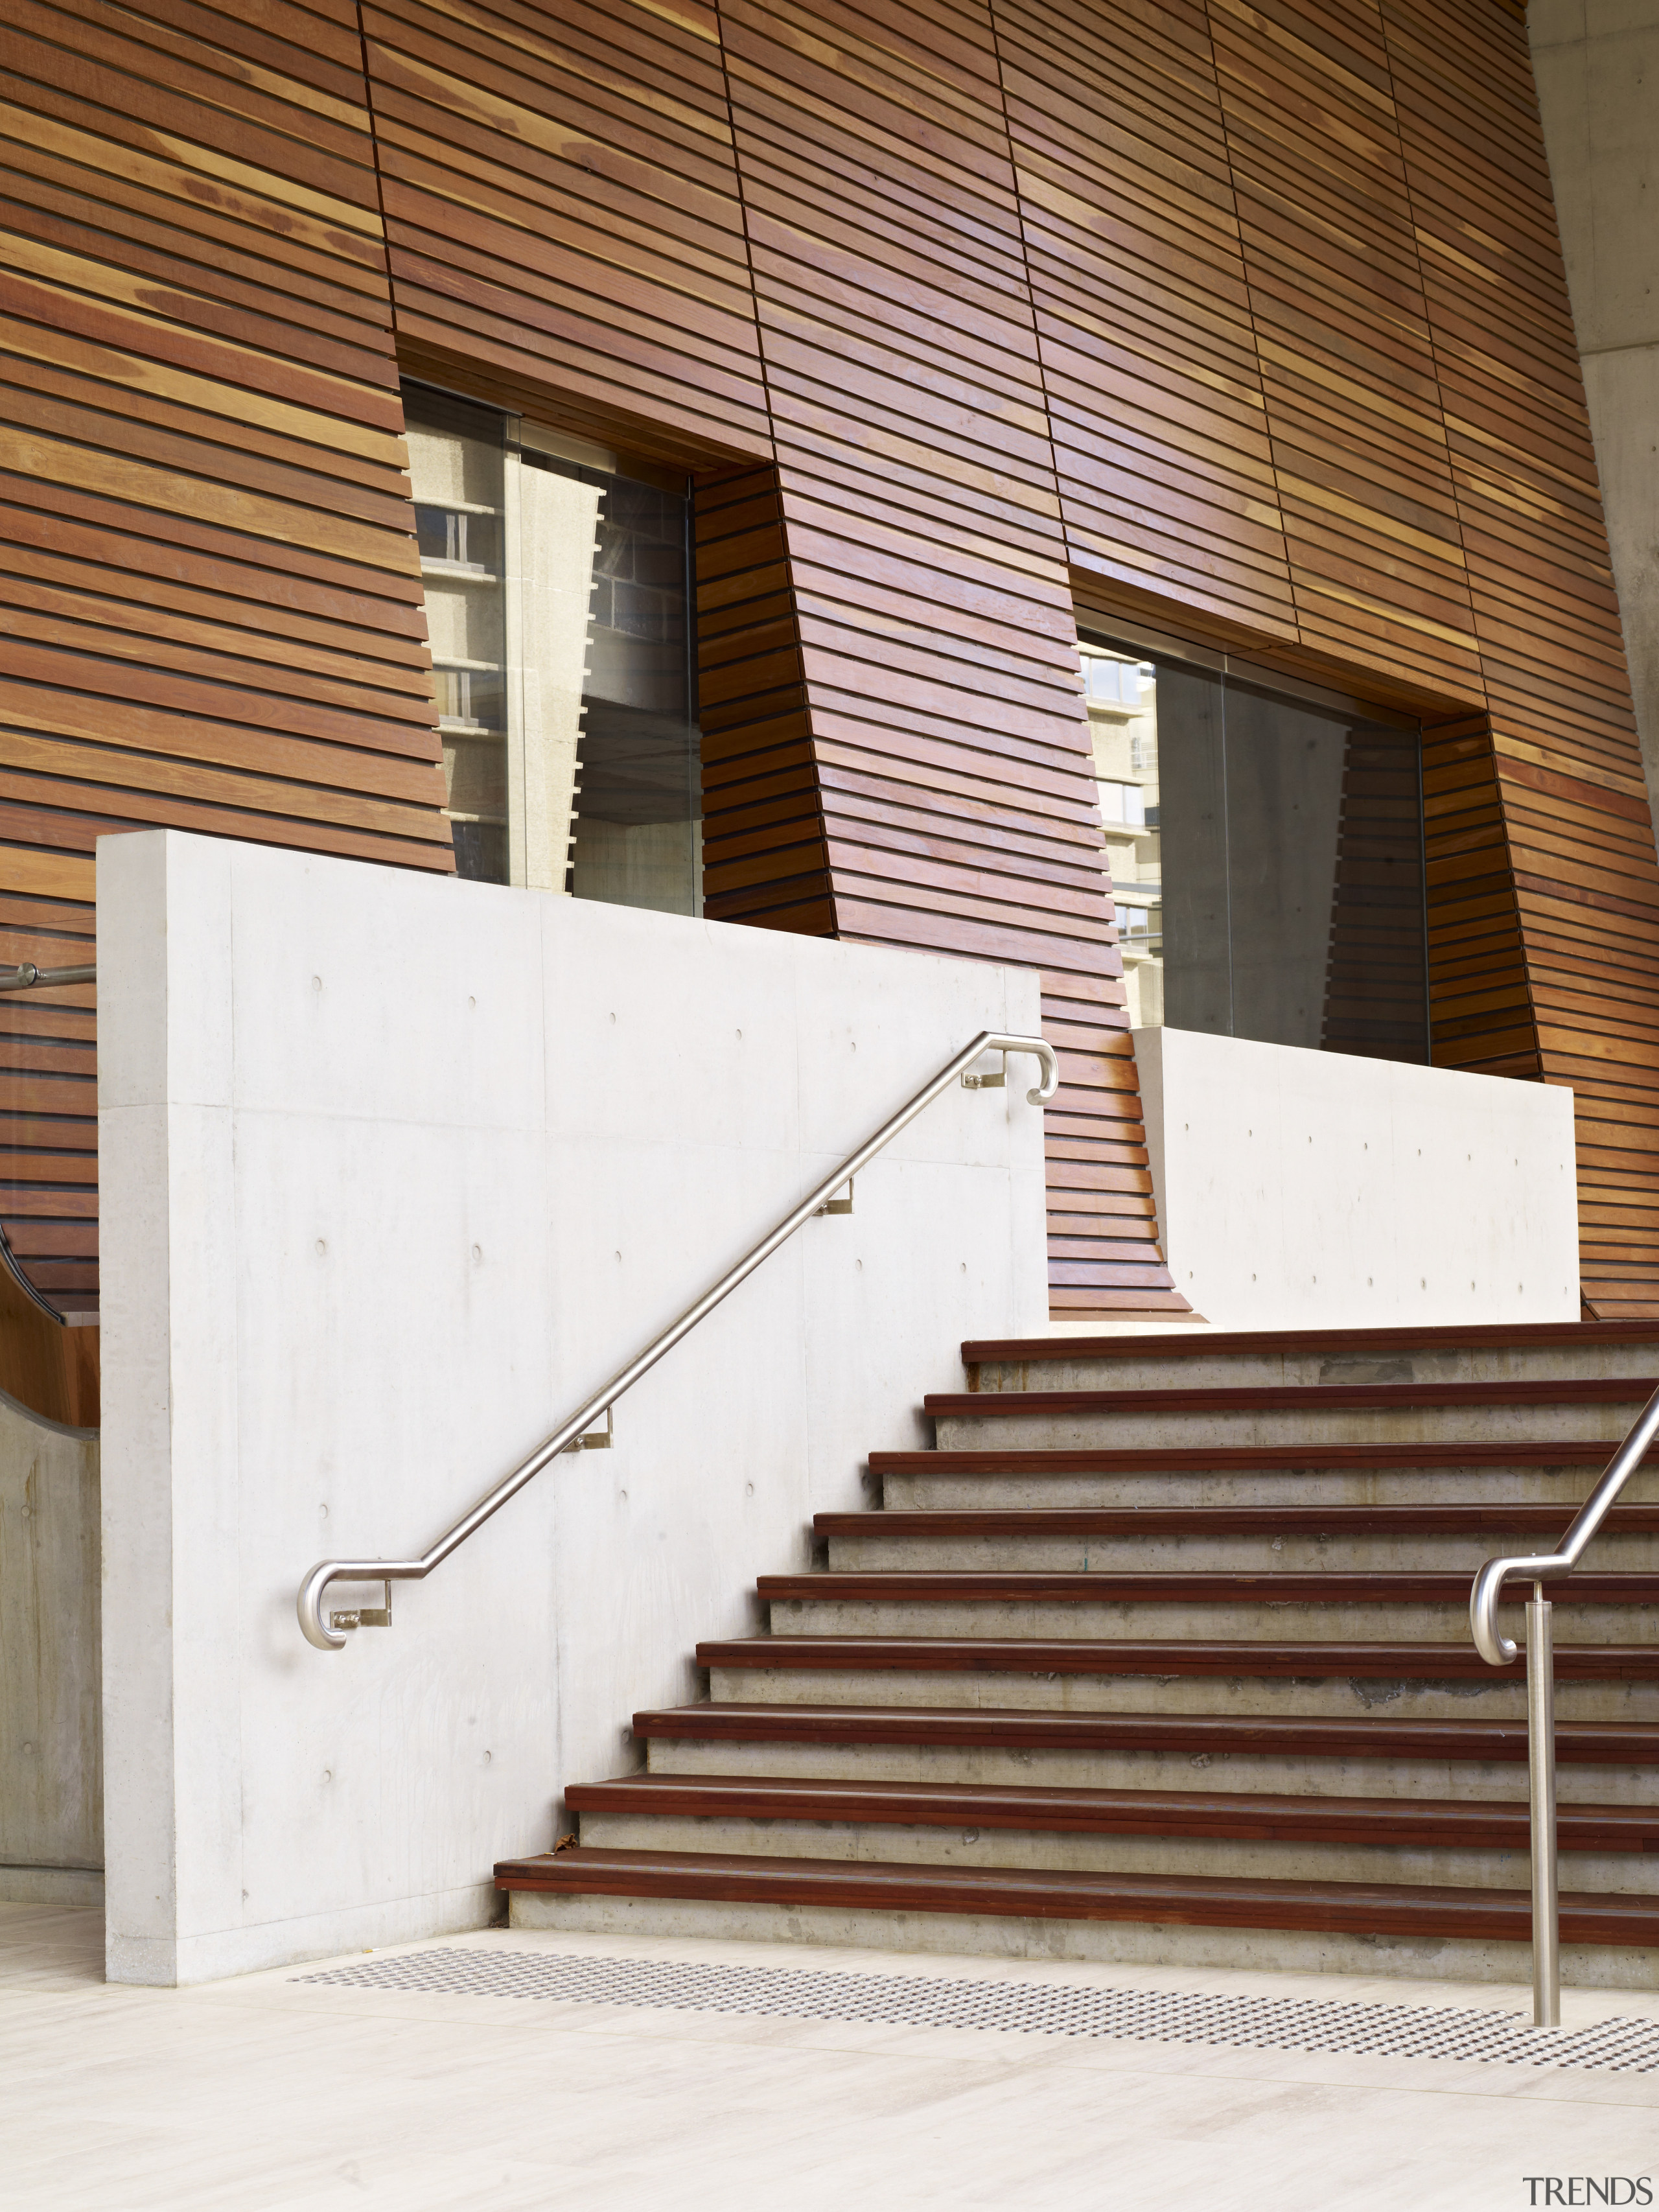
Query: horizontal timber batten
pixel 1281 367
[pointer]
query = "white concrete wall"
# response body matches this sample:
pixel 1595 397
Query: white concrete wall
pixel 1596 63
pixel 1310 1190
pixel 51 1816
pixel 395 1171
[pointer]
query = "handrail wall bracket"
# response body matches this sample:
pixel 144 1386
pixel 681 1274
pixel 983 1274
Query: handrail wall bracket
pixel 577 1432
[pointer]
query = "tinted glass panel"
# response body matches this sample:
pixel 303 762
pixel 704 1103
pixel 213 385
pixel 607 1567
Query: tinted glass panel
pixel 559 610
pixel 1266 854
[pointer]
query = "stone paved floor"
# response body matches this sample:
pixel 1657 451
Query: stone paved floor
pixel 267 2092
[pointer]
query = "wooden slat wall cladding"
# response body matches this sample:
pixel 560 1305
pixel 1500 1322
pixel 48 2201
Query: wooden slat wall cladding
pixel 1564 756
pixel 212 599
pixel 764 857
pixel 1246 314
pixel 1375 984
pixel 1142 304
pixel 1347 364
pixel 563 212
pixel 763 234
pixel 920 510
pixel 1480 995
pixel 1376 301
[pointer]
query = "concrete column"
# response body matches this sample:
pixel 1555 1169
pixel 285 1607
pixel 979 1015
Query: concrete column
pixel 171 1621
pixel 1597 67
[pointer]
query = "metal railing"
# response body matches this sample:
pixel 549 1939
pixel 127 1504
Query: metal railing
pixel 29 977
pixel 1498 1651
pixel 331 1636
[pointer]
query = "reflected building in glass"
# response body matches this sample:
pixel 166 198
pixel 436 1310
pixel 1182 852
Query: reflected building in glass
pixel 559 603
pixel 1267 850
pixel 1121 692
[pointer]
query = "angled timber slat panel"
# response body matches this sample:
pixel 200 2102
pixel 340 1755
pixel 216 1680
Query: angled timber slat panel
pixel 951 805
pixel 209 599
pixel 563 216
pixel 1243 318
pixel 1566 792
pixel 1138 287
pixel 763 854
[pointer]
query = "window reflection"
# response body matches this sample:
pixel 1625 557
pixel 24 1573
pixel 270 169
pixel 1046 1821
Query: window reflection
pixel 1121 691
pixel 1266 857
pixel 559 613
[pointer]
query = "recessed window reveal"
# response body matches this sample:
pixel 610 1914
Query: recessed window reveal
pixel 558 603
pixel 1267 855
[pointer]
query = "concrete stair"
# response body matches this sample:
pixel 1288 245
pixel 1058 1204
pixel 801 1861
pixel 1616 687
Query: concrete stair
pixel 1162 1653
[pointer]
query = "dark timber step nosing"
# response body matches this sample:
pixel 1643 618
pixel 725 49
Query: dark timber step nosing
pixel 1457 1823
pixel 1218 1586
pixel 1238 1657
pixel 1357 1908
pixel 1201 1344
pixel 1291 1397
pixel 1371 1735
pixel 1236 1459
pixel 1429 1519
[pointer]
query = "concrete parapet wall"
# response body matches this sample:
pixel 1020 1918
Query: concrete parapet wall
pixel 1313 1190
pixel 395 1172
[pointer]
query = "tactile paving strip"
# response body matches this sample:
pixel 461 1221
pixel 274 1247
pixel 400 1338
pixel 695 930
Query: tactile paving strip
pixel 1008 2008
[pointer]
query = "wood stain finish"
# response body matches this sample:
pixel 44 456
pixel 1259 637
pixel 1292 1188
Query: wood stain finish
pixel 1249 324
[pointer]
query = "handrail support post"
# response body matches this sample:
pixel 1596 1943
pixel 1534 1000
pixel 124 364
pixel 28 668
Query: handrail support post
pixel 1541 1761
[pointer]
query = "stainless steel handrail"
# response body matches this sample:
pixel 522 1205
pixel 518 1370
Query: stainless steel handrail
pixel 309 1604
pixel 29 977
pixel 1498 1651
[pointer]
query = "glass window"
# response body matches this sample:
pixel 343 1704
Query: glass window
pixel 558 602
pixel 1267 856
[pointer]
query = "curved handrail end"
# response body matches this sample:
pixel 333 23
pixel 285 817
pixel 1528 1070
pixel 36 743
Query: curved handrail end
pixel 1049 1084
pixel 309 1605
pixel 1040 1049
pixel 1486 1593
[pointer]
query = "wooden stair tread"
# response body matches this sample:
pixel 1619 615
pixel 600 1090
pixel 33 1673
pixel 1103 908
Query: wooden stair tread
pixel 1366 1908
pixel 1374 1734
pixel 1267 1585
pixel 1230 1459
pixel 1294 1397
pixel 1472 1823
pixel 1202 1344
pixel 1164 1745
pixel 1225 1521
pixel 1306 1661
